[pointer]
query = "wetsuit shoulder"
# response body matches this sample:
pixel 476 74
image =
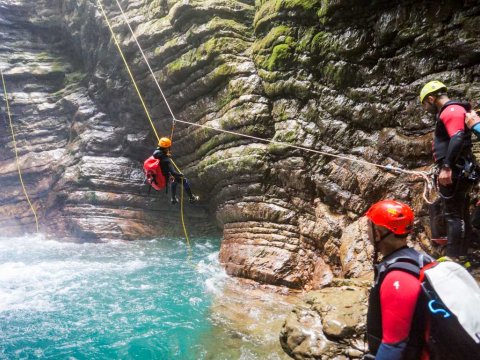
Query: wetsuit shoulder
pixel 453 117
pixel 399 293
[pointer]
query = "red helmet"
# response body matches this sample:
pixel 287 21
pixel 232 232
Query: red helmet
pixel 393 215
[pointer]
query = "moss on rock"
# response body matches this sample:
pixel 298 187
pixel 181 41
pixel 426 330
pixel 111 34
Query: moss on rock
pixel 271 38
pixel 282 56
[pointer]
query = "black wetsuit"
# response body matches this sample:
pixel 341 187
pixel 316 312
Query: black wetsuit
pixel 169 170
pixel 453 148
pixel 403 339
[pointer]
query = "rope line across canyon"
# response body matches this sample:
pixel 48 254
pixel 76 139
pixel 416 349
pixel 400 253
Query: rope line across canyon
pixel 426 176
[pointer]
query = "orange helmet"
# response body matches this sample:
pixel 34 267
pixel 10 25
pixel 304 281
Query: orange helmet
pixel 393 215
pixel 164 142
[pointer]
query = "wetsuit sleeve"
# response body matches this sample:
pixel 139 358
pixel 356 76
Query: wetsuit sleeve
pixel 157 154
pixel 398 298
pixel 171 168
pixel 453 117
pixel 476 130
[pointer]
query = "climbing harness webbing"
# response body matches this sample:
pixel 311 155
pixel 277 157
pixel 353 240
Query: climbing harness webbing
pixel 128 69
pixel 16 151
pixel 425 175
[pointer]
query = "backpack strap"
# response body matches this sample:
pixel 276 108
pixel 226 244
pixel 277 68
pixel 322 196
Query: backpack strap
pixel 467 106
pixel 404 263
pixel 151 177
pixel 426 267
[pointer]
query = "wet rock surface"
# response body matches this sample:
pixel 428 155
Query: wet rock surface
pixel 81 164
pixel 333 76
pixel 246 310
pixel 328 324
pixel 325 75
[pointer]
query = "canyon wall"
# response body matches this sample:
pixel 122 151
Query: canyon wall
pixel 340 77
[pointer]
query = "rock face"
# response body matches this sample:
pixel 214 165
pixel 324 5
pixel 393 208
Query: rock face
pixel 329 324
pixel 326 75
pixel 81 163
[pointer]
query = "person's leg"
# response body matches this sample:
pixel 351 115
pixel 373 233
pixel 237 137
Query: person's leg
pixel 456 199
pixel 467 240
pixel 453 215
pixel 186 186
pixel 188 190
pixel 173 187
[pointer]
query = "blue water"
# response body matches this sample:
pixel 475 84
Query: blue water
pixel 117 300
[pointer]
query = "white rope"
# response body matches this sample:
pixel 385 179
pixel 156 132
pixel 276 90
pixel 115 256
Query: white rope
pixel 428 185
pixel 423 174
pixel 386 167
pixel 146 61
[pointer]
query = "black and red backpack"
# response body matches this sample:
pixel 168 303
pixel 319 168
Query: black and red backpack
pixel 153 173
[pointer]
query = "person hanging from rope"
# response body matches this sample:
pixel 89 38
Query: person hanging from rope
pixel 452 151
pixel 170 171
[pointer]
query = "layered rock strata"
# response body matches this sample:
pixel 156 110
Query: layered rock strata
pixel 327 75
pixel 81 163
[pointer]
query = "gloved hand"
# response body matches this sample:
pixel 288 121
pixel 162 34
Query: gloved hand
pixel 471 119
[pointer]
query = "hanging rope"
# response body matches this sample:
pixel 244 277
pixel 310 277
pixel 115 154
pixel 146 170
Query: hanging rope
pixel 182 211
pixel 149 68
pixel 424 175
pixel 128 69
pixel 16 151
pixel 183 220
pixel 144 105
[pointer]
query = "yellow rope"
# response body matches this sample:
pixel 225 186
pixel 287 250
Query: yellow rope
pixel 388 167
pixel 183 221
pixel 428 185
pixel 147 113
pixel 422 174
pixel 16 151
pixel 175 165
pixel 149 67
pixel 181 207
pixel 128 69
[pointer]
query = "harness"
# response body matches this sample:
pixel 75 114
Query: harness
pixel 442 138
pixel 464 166
pixel 411 261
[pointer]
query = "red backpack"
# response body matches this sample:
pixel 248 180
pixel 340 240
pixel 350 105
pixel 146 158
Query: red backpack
pixel 153 173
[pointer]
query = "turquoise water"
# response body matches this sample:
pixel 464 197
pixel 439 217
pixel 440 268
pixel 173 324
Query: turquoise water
pixel 117 300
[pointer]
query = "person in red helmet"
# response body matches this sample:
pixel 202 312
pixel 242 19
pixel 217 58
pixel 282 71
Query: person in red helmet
pixel 395 328
pixel 175 177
